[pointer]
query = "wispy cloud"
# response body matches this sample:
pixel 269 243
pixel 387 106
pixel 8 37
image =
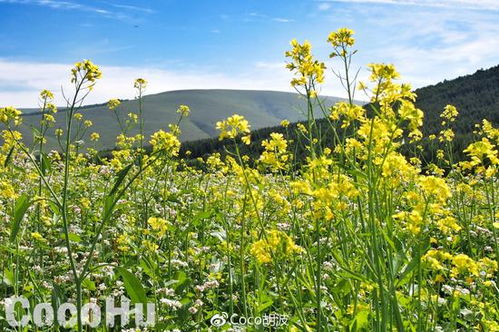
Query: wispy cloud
pixel 56 4
pixel 426 44
pixel 133 8
pixel 263 17
pixel 109 12
pixel 324 6
pixel 465 4
pixel 282 20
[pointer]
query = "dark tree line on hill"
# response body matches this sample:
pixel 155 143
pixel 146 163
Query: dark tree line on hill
pixel 475 96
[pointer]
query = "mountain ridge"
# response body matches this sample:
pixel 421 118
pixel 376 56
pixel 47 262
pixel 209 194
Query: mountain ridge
pixel 262 108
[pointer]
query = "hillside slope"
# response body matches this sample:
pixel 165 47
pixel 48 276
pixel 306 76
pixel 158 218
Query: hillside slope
pixel 476 96
pixel 261 108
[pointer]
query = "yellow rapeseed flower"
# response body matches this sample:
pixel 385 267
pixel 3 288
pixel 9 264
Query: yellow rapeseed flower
pixel 233 126
pixel 94 136
pixel 184 110
pixel 341 38
pixel 140 83
pixel 275 244
pixel 8 114
pixel 164 141
pixel 112 104
pixel 85 71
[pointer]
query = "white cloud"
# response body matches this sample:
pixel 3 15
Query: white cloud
pixel 56 4
pixel 465 4
pixel 24 81
pixel 432 45
pixel 324 6
pixel 282 20
pixel 133 8
pixel 110 12
pixel 427 45
pixel 255 16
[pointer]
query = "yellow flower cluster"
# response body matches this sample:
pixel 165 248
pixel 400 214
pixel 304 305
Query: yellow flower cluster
pixel 450 113
pixel 140 84
pixel 464 264
pixel 446 135
pixel 48 119
pixel 275 154
pixel 341 38
pixel 158 225
pixel 482 152
pixel 436 258
pixel 448 224
pixel 274 244
pixel 434 187
pixel 46 95
pixel 347 112
pixel 184 110
pixel 166 142
pixel 382 72
pixel 9 114
pixel 308 70
pixel 94 137
pixel 413 220
pixel 85 71
pixel 233 126
pixel 395 169
pixel 123 242
pixel 7 191
pixel 47 98
pixel 38 237
pixel 489 131
pixel 112 104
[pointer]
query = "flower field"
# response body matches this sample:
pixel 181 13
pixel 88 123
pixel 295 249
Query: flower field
pixel 359 237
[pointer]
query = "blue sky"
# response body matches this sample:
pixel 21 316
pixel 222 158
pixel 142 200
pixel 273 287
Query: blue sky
pixel 232 44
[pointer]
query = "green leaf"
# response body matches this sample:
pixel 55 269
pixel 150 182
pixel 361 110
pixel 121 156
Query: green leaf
pixel 46 166
pixel 180 278
pixel 203 215
pixel 20 208
pixel 119 179
pixel 149 268
pixel 9 156
pixel 262 306
pixel 405 275
pixel 360 321
pixel 133 286
pixel 108 207
pixel 88 284
pixel 72 237
pixel 8 277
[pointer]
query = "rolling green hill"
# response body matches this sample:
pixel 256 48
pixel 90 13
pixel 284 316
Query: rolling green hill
pixel 261 108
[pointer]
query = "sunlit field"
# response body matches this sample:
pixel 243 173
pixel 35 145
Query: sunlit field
pixel 357 237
